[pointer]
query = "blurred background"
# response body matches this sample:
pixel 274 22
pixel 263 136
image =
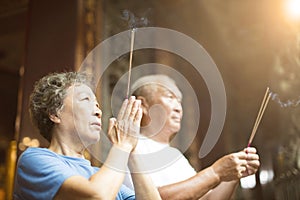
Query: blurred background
pixel 255 44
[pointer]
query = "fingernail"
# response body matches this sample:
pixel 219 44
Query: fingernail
pixel 132 98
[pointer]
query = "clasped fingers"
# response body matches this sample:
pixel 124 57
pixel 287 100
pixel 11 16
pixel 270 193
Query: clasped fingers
pixel 123 134
pixel 127 128
pixel 131 110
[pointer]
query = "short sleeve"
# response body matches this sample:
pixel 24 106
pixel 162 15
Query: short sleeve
pixel 40 175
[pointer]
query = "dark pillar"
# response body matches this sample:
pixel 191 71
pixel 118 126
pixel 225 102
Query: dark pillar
pixel 50 46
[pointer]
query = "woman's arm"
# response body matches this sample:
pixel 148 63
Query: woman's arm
pixel 143 184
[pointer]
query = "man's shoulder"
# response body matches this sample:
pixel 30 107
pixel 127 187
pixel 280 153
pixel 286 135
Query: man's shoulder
pixel 148 145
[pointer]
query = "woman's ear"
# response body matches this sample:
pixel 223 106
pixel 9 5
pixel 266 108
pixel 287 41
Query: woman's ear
pixel 145 105
pixel 55 118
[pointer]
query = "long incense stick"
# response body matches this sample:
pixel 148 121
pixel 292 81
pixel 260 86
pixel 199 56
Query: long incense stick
pixel 130 62
pixel 260 114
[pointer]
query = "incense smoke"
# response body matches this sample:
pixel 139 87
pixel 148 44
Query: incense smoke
pixel 288 103
pixel 134 21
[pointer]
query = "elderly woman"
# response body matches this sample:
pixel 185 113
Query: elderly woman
pixel 66 112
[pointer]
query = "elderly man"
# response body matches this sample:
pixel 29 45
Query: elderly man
pixel 162 114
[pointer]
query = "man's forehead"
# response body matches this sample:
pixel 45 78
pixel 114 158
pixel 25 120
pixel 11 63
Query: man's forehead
pixel 161 80
pixel 171 88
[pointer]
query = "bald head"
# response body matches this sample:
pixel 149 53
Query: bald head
pixel 147 86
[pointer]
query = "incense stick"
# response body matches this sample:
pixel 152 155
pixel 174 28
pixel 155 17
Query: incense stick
pixel 130 62
pixel 260 114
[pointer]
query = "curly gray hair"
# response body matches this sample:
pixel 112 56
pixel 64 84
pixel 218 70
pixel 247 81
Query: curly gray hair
pixel 48 96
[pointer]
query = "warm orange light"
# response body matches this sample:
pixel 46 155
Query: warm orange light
pixel 293 8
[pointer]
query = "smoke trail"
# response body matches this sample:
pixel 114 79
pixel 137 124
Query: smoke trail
pixel 134 21
pixel 286 104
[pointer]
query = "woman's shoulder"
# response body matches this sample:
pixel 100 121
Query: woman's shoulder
pixel 37 155
pixel 37 151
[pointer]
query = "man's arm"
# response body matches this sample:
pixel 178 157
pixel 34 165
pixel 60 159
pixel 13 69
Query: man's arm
pixel 192 188
pixel 224 190
pixel 207 183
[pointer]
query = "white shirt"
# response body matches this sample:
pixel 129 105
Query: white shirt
pixel 164 164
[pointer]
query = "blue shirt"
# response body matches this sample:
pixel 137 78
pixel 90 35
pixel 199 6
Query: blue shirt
pixel 41 172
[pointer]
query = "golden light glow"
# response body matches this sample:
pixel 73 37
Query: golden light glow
pixel 293 8
pixel 28 142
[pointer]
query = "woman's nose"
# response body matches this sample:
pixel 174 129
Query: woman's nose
pixel 98 111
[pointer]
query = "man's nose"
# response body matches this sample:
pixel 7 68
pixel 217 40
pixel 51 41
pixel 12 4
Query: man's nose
pixel 178 107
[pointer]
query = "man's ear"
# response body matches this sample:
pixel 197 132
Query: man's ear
pixel 54 118
pixel 145 104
